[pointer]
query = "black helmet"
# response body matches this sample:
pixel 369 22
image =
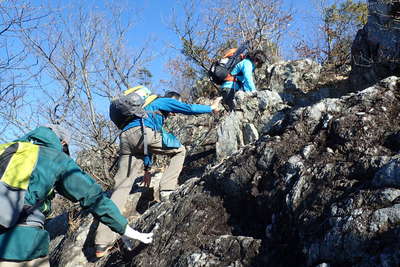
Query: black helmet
pixel 172 94
pixel 260 57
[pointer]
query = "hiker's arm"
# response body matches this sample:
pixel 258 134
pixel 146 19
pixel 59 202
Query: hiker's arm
pixel 76 185
pixel 175 106
pixel 248 82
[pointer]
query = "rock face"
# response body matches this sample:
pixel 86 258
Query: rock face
pixel 288 178
pixel 244 125
pixel 293 79
pixel 375 50
pixel 282 86
pixel 320 188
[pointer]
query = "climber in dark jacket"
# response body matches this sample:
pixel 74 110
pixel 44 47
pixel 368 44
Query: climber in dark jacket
pixel 53 170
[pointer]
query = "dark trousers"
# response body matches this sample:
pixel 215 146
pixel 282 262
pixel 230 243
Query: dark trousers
pixel 228 95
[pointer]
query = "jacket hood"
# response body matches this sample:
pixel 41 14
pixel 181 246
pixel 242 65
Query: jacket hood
pixel 42 136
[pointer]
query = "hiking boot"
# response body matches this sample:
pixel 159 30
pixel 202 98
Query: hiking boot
pixel 102 250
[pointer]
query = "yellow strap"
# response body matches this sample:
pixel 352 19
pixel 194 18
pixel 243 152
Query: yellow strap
pixel 149 99
pixel 21 165
pixel 133 89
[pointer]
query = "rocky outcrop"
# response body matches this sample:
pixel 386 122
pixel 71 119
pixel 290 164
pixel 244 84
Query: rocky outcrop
pixel 289 178
pixel 246 123
pixel 282 86
pixel 212 137
pixel 375 50
pixel 320 187
pixel 292 80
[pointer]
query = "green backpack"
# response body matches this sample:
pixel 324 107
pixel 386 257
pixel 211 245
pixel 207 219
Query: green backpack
pixel 17 162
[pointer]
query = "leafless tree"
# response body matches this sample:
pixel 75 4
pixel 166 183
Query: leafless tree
pixel 338 24
pixel 210 27
pixel 14 63
pixel 86 59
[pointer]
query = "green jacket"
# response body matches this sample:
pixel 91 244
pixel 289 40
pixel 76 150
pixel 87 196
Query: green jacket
pixel 55 170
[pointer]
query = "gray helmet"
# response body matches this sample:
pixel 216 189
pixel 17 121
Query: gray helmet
pixel 60 131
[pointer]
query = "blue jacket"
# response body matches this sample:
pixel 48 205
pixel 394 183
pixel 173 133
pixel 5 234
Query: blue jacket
pixel 243 71
pixel 155 121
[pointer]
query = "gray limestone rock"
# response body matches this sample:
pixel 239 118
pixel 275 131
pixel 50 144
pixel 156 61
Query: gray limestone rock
pixel 293 79
pixel 375 50
pixel 388 175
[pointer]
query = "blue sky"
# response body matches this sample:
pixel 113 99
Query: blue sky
pixel 152 23
pixel 155 13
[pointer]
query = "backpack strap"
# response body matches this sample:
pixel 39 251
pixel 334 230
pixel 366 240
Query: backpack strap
pixel 150 99
pixel 32 216
pixel 133 89
pixel 145 141
pixel 129 165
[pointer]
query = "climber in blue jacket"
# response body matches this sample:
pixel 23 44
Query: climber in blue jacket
pixel 132 151
pixel 241 77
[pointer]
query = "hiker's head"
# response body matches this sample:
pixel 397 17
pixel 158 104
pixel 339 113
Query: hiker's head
pixel 172 94
pixel 62 134
pixel 258 57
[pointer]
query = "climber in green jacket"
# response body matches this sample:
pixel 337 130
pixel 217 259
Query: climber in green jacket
pixel 52 170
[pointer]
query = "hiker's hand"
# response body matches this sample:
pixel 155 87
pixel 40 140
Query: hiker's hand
pixel 146 178
pixel 215 106
pixel 129 234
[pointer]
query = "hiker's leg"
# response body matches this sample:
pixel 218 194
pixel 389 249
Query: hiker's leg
pixel 40 262
pixel 169 180
pixel 228 96
pixel 122 187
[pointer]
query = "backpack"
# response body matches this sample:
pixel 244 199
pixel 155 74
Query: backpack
pixel 17 162
pixel 129 105
pixel 221 69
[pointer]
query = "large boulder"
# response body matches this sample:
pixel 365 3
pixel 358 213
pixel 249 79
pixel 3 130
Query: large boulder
pixel 293 80
pixel 375 50
pixel 244 125
pixel 212 137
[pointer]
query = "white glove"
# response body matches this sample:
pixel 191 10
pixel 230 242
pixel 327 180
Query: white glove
pixel 133 234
